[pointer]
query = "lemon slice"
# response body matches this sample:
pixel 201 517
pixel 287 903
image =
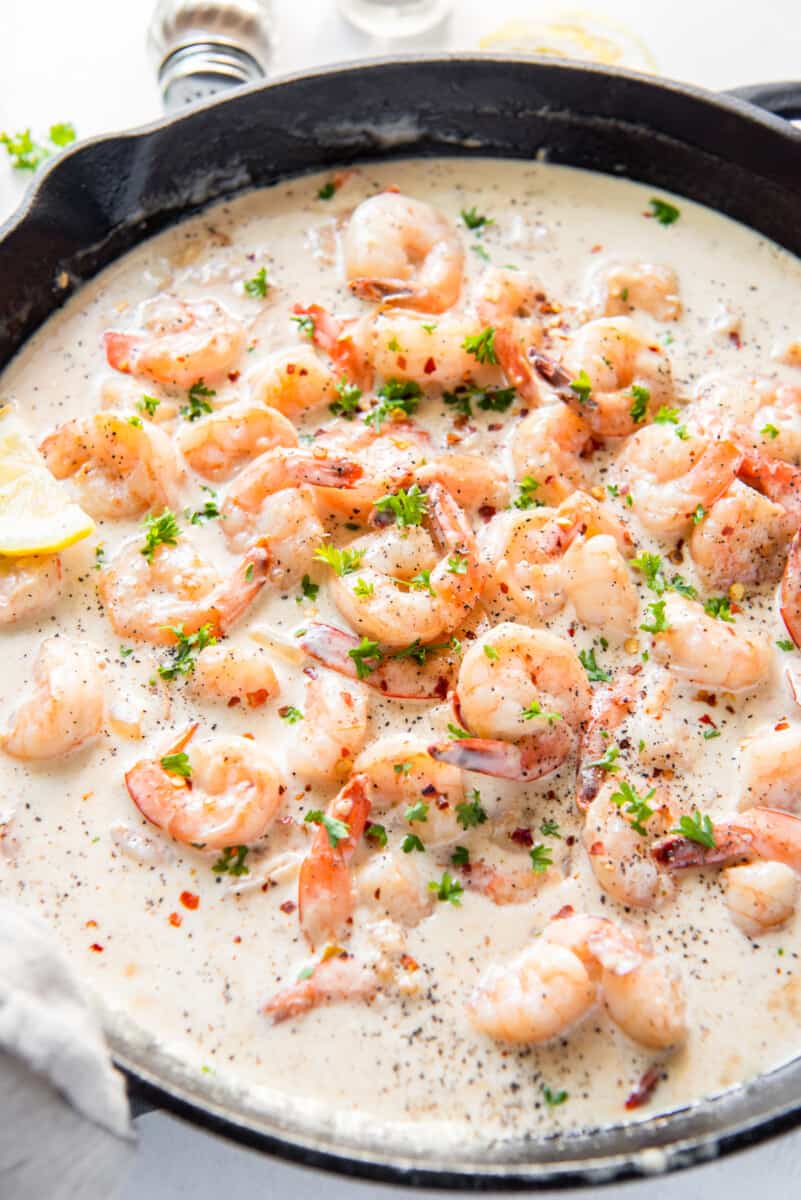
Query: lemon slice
pixel 36 513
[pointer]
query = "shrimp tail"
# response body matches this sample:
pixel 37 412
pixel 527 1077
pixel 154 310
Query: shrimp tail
pixel 330 335
pixel 790 606
pixel 502 760
pixel 401 679
pixel 331 981
pixel 516 363
pixel 325 895
pixel 152 789
pixel 238 592
pixel 120 350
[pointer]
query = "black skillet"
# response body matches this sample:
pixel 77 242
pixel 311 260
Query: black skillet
pixel 106 195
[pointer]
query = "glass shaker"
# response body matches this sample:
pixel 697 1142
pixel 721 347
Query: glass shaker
pixel 395 18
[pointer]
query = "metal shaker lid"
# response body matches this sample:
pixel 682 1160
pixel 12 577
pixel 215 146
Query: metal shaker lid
pixel 204 46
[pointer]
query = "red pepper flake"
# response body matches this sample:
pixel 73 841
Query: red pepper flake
pixel 190 900
pixel 780 725
pixel 288 906
pixel 96 947
pixel 567 910
pixel 597 249
pixel 645 1089
pixel 237 940
pixel 597 848
pixel 705 719
pixel 487 512
pixel 522 837
pixel 402 361
pixel 735 339
pixel 232 703
pixel 175 919
pixel 233 376
pixel 430 366
pixel 408 963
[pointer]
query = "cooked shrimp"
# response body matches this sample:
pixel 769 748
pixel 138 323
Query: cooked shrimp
pixel 229 796
pixel 524 696
pixel 599 585
pixel 63 707
pixel 473 481
pixel 336 979
pixel 399 770
pixel 402 676
pixel 512 885
pixel 120 468
pixel 148 599
pixel 220 443
pixel 628 375
pixel 267 503
pixel 404 587
pixel 761 833
pixel 389 460
pixel 293 382
pixel 182 343
pixel 716 654
pixel 406 345
pixel 28 586
pixel 671 480
pixel 619 289
pixel 620 855
pixel 325 890
pixel 742 539
pixel 338 339
pixel 333 729
pixel 770 770
pixel 762 417
pixel 509 302
pixel 405 251
pixel 791 591
pixel 549 988
pixel 761 895
pixel 779 481
pixel 392 885
pixel 234 675
pixel 547 447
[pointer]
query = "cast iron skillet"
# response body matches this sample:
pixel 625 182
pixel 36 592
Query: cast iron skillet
pixel 106 195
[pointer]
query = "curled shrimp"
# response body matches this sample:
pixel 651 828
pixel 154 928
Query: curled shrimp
pixel 63 707
pixel 147 599
pixel 120 468
pixel 716 654
pixel 671 480
pixel 334 980
pixel 393 886
pixel 790 607
pixel 761 895
pixel 293 382
pixel 389 458
pixel 398 344
pixel 769 773
pixel 404 588
pixel 547 446
pixel 399 770
pixel 762 417
pixel 230 795
pixel 630 377
pixel 28 586
pixel 220 443
pixel 325 888
pixel 599 585
pixel 181 343
pixel 405 251
pixel 234 675
pixel 509 303
pixel 472 481
pixel 558 980
pixel 424 676
pixel 619 853
pixel 338 339
pixel 271 501
pixel 524 696
pixel 333 729
pixel 618 289
pixel 742 539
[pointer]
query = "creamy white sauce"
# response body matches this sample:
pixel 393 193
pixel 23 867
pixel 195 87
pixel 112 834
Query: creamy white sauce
pixel 78 852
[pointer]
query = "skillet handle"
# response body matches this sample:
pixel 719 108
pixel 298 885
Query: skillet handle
pixel 782 99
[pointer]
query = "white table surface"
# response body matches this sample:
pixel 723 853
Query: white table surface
pixel 86 62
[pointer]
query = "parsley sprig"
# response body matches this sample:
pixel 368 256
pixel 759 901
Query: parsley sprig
pixel 482 346
pixel 637 806
pixel 697 828
pixel 163 530
pixel 409 506
pixel 396 396
pixel 337 830
pixel 342 560
pixel 186 649
pixel 198 396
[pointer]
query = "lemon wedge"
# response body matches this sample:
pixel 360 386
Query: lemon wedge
pixel 36 513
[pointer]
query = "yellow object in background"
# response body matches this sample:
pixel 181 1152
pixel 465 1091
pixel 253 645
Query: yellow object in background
pixel 36 513
pixel 573 35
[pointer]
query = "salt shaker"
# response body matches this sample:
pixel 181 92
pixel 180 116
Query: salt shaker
pixel 202 47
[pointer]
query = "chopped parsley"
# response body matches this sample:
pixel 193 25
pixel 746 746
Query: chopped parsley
pixel 482 346
pixel 308 590
pixel 402 768
pixel 409 506
pixel 491 653
pixel 198 396
pixel 541 859
pixel 185 650
pixel 666 416
pixel 100 557
pixel 471 813
pixel 422 583
pixel 348 403
pixel 343 561
pixel 447 889
pixel 680 585
pixel 327 190
pixel 416 812
pixel 457 564
pixel 582 386
pixel 456 732
pixel 366 657
pixel 658 622
pixel 636 806
pixel 785 644
pixel 699 514
pixel 305 325
pixel 26 154
pixel 488 399
pixel 377 834
pixel 290 714
pixel 608 761
pixel 651 567
pixel 481 251
pixel 474 219
pixel 148 404
pixel 396 395
pixel 526 498
pixel 126 651
pixel 160 531
pixel 697 828
pixel 551 1098
pixel 460 856
pixel 550 828
pixel 177 764
pixel 209 512
pixel 665 213
pixel 337 830
pixel 232 861
pixel 535 709
pixel 258 285
pixel 769 431
pixel 719 607
pixel 136 422
pixel 412 842
pixel 595 674
pixel 362 589
pixel 709 734
pixel 639 408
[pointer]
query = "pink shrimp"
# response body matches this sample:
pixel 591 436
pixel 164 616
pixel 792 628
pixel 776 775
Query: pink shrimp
pixel 325 893
pixel 335 979
pixel 403 678
pixel 765 833
pixel 181 344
